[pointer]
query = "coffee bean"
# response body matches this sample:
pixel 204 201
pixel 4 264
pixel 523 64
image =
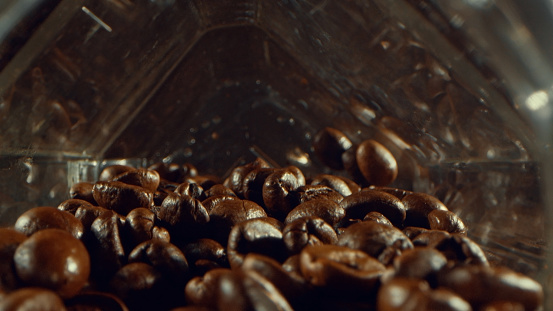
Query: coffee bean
pixel 503 306
pixel 338 184
pixel 120 197
pixel 183 215
pixel 10 239
pixel 311 192
pixel 360 204
pixel 419 262
pixel 307 231
pixel 213 201
pixel 276 190
pixel 446 221
pixel 203 291
pixel 44 217
pixel 219 189
pixel 53 259
pixel 147 179
pixel 461 249
pixel 225 215
pixel 253 184
pixel 71 205
pixel 140 286
pixel 481 285
pixel 330 211
pixel 399 193
pixel 86 214
pixel 138 227
pixel 206 251
pixel 377 217
pixel 341 270
pixel 418 206
pixel 379 241
pixel 109 172
pixel 32 299
pixel 260 235
pixel 376 163
pixel 165 257
pixel 192 190
pixel 83 191
pixel 95 300
pixel 174 172
pixel 107 253
pixel 235 181
pixel 349 158
pixel 329 144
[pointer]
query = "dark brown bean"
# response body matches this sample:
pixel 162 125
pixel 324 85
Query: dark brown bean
pixel 174 172
pixel 211 202
pixel 428 237
pixel 253 184
pixel 44 217
pixel 329 144
pixel 165 257
pixel 310 192
pixel 399 193
pixel 183 215
pixel 107 253
pixel 380 241
pixel 376 163
pixel 228 213
pixel 360 204
pixel 205 181
pixel 205 250
pixel 203 290
pixel 460 248
pixel 446 221
pixel 338 184
pixel 71 205
pixel 109 172
pixel 481 285
pixel 120 197
pixel 86 214
pixel 377 217
pixel 328 210
pixel 140 286
pixel 235 181
pixel 307 231
pixel 407 294
pixel 32 299
pixel 340 270
pixel 53 259
pixel 83 191
pixel 503 306
pixel 260 235
pixel 147 179
pixel 138 227
pixel 420 262
pixel 219 189
pixel 10 239
pixel 349 158
pixel 191 189
pixel 418 205
pixel 277 188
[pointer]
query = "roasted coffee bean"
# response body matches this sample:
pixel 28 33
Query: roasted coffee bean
pixel 310 192
pixel 292 287
pixel 380 241
pixel 83 191
pixel 341 271
pixel 191 189
pixel 446 221
pixel 377 217
pixel 204 255
pixel 32 299
pixel 428 237
pixel 235 181
pixel 140 286
pixel 253 184
pixel 249 291
pixel 44 217
pixel 376 163
pixel 205 181
pixel 460 248
pixel 165 257
pixel 138 227
pixel 399 193
pixel 482 285
pixel 71 205
pixel 161 233
pixel 328 210
pixel 338 184
pixel 148 179
pixel 419 262
pixel 94 300
pixel 86 214
pixel 219 189
pixel 329 144
pixel 53 259
pixel 213 201
pixel 174 172
pixel 228 213
pixel 276 192
pixel 349 158
pixel 503 306
pixel 418 205
pixel 203 291
pixel 109 172
pixel 406 294
pixel 183 215
pixel 307 231
pixel 360 204
pixel 413 232
pixel 260 235
pixel 9 241
pixel 105 245
pixel 120 197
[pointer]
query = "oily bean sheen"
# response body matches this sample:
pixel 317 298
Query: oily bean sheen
pixel 446 221
pixel 109 172
pixel 328 210
pixel 45 217
pixel 225 215
pixel 276 192
pixel 83 191
pixel 53 259
pixel 360 204
pixel 164 256
pixel 307 231
pixel 120 197
pixel 329 145
pixel 72 205
pixel 418 206
pixel 377 217
pixel 376 163
pixel 148 179
pixel 32 299
pixel 336 183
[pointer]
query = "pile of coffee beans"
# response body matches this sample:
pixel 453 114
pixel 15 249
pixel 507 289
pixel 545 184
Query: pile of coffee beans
pixel 263 238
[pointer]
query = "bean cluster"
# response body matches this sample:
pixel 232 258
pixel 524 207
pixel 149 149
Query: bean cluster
pixel 262 238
